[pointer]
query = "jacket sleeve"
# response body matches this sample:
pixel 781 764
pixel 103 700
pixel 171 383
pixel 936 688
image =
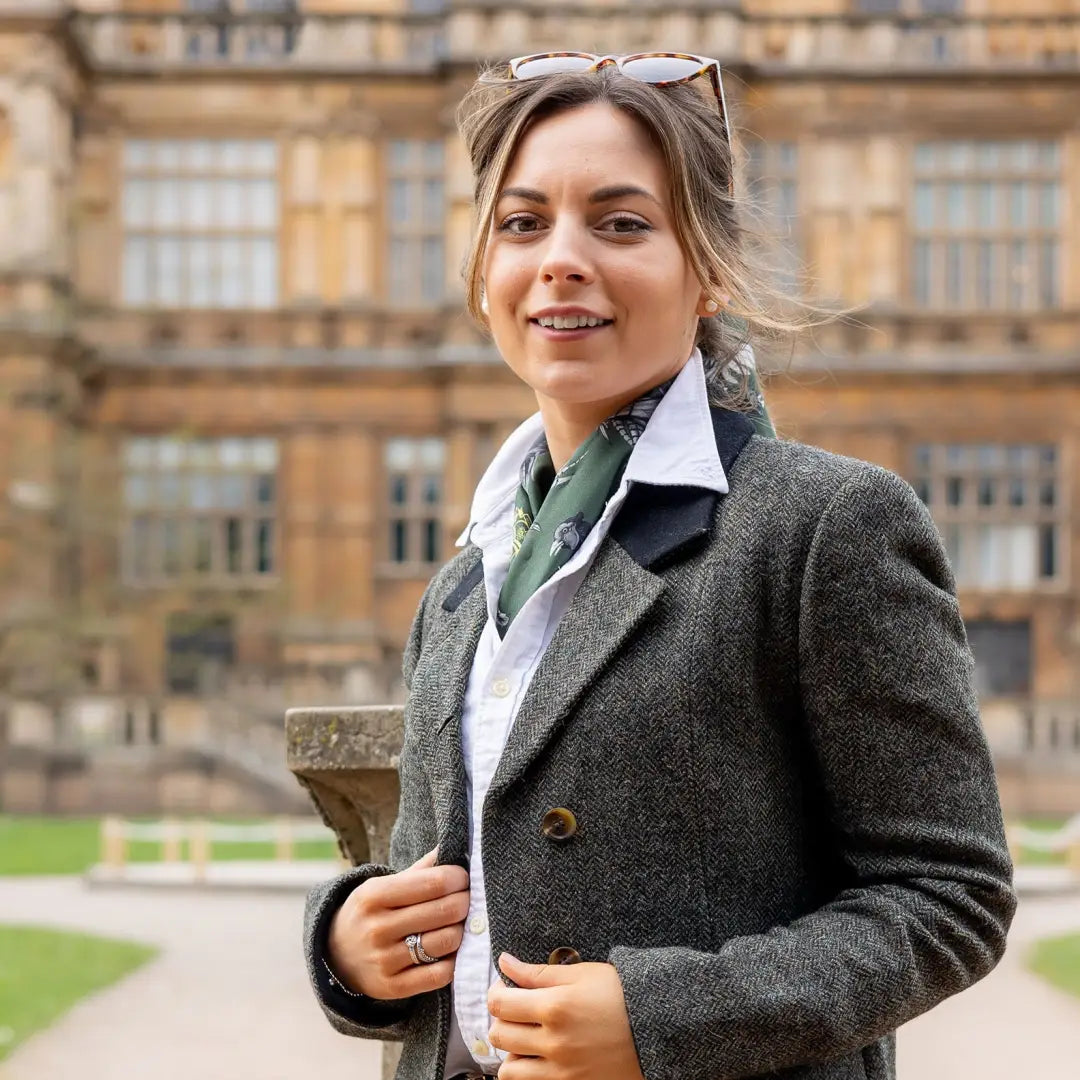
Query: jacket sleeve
pixel 888 697
pixel 366 1017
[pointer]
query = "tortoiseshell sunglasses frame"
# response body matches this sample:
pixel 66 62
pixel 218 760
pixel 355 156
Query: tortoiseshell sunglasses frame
pixel 707 66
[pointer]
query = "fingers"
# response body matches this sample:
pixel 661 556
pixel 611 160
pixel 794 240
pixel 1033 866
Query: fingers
pixel 417 918
pixel 428 859
pixel 528 1040
pixel 441 943
pixel 416 885
pixel 516 1005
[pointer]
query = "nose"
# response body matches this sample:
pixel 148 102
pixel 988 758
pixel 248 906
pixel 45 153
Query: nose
pixel 566 257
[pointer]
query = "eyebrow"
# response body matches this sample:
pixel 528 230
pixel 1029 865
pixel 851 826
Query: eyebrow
pixel 604 194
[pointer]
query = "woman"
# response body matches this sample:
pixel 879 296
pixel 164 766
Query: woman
pixel 693 783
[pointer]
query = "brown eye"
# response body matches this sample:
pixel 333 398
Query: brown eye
pixel 511 223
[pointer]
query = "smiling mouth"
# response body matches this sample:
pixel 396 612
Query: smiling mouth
pixel 571 322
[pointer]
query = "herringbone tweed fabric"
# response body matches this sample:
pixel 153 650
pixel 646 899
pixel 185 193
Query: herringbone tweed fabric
pixel 789 836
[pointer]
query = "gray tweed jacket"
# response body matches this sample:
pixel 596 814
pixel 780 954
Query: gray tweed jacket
pixel 759 707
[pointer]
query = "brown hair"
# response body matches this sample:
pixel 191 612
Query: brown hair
pixel 711 223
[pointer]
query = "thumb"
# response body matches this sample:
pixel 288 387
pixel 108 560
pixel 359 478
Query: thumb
pixel 428 859
pixel 533 976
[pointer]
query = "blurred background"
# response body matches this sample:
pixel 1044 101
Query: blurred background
pixel 242 415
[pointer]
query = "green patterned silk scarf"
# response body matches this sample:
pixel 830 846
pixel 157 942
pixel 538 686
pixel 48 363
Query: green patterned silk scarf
pixel 555 511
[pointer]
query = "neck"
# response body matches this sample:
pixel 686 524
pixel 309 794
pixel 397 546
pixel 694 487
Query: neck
pixel 568 424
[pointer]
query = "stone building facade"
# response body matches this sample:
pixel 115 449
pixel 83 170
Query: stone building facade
pixel 243 414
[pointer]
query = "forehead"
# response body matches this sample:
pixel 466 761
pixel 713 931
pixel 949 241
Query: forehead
pixel 588 146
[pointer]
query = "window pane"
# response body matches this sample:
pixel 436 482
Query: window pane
pixel 171 546
pixel 264 489
pixel 264 547
pixel 399 454
pixel 200 275
pixel 137 203
pixel 136 154
pixel 198 204
pixel 1049 294
pixel 433 270
pixel 233 156
pixel 432 453
pixel 233 491
pixel 203 492
pixel 433 202
pixel 957 206
pixel 234 545
pixel 204 545
pixel 1048 493
pixel 141 541
pixel 139 453
pixel 431 541
pixel 985 206
pixel 137 490
pixel 921 273
pixel 984 274
pixel 167 205
pixel 136 270
pixel 398 538
pixel 431 489
pixel 433 155
pixel 263 453
pixel 1017 489
pixel 1048 557
pixel 1048 206
pixel 987 491
pixel 263 272
pixel 262 203
pixel 232 211
pixel 1018 273
pixel 399 201
pixel 924 205
pixel 954 491
pixel 262 156
pixel 954 279
pixel 399 490
pixel 233 286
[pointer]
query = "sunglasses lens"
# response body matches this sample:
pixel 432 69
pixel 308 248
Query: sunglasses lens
pixel 535 66
pixel 661 68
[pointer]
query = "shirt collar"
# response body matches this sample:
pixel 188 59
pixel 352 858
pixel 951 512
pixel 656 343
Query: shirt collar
pixel 677 448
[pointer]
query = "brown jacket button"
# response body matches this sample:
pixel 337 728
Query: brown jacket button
pixel 559 824
pixel 564 955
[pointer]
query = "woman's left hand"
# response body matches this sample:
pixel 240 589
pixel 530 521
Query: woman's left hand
pixel 562 1022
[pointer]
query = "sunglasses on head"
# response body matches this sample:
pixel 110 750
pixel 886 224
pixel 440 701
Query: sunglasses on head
pixel 657 68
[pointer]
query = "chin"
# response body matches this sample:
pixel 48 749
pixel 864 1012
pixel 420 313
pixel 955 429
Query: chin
pixel 572 380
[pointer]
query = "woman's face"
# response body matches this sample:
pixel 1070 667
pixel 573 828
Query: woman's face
pixel 583 227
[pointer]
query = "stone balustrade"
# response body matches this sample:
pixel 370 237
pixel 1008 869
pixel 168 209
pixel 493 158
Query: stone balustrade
pixel 372 42
pixel 347 760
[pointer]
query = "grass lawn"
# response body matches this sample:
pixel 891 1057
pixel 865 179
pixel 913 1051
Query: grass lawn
pixel 1034 857
pixel 1058 961
pixel 44 972
pixel 42 845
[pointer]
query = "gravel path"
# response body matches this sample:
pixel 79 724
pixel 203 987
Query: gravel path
pixel 228 998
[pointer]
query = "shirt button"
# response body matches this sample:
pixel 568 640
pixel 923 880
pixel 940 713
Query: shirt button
pixel 480 1048
pixel 500 687
pixel 477 924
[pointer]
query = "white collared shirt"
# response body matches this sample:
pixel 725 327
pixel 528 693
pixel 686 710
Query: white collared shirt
pixel 678 447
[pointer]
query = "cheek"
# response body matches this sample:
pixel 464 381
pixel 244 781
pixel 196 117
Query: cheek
pixel 507 275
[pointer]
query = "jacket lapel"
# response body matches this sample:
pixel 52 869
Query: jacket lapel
pixel 462 617
pixel 656 526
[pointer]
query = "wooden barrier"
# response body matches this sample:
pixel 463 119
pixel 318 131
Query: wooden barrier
pixel 201 836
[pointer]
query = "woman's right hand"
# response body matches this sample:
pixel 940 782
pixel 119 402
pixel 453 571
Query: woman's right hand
pixel 367 934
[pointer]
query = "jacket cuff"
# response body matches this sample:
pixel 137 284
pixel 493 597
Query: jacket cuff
pixel 359 1010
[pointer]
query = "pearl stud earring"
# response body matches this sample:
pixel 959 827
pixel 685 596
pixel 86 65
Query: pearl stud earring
pixel 484 304
pixel 711 306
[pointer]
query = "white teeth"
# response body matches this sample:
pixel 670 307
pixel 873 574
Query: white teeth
pixel 569 322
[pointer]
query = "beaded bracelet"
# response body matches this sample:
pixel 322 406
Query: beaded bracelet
pixel 335 981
